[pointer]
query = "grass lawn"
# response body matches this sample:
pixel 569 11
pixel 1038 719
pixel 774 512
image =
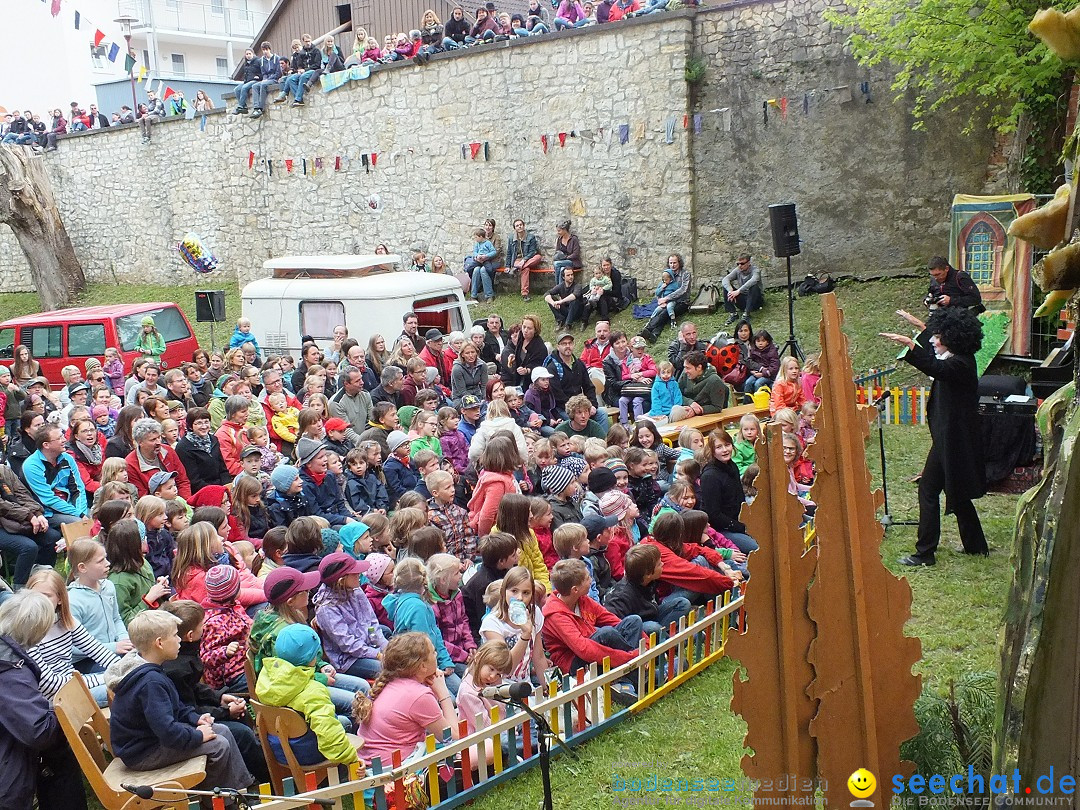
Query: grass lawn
pixel 958 605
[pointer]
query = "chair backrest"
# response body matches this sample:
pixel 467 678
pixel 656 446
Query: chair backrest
pixel 77 530
pixel 87 733
pixel 283 723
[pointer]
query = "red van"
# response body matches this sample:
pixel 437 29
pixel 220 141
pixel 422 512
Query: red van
pixel 70 336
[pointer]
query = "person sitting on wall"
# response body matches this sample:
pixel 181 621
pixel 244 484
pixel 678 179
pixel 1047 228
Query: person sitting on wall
pixel 671 301
pixel 456 30
pixel 270 68
pixel 522 252
pixel 250 75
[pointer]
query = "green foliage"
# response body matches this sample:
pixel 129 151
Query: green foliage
pixel 952 50
pixel 696 66
pixel 955 730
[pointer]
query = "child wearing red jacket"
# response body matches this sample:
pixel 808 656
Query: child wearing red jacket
pixel 697 582
pixel 225 632
pixel 579 631
pixel 500 459
pixel 620 505
pixel 540 516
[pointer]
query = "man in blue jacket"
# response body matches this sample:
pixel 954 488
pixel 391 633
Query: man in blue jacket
pixel 53 478
pixel 270 68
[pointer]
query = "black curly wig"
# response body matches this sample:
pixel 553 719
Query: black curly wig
pixel 958 328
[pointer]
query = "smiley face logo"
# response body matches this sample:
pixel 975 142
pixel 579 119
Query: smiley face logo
pixel 862 783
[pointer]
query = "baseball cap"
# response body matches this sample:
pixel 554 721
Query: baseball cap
pixel 563 336
pixel 638 342
pixel 595 524
pixel 250 450
pixel 340 564
pixel 470 401
pixel 297 644
pixel 335 423
pixel 157 481
pixel 283 583
pixel 541 373
pixel 433 334
pixel 74 388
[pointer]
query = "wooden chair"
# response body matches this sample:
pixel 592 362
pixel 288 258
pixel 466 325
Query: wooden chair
pixel 87 732
pixel 285 724
pixel 76 531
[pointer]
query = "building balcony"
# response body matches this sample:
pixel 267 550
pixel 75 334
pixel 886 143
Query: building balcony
pixel 219 19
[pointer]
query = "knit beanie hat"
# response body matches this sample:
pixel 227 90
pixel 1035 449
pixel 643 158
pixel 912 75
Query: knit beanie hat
pixel 283 476
pixel 298 644
pixel 330 541
pixel 5 371
pixel 616 465
pixel 601 479
pixel 99 411
pixel 555 479
pixel 350 533
pixel 614 502
pixel 222 583
pixel 396 439
pixel 91 364
pixel 378 564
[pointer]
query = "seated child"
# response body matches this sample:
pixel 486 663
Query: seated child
pixel 353 640
pixel 285 420
pixel 635 593
pixel 562 487
pixel 625 533
pixel 454 445
pixel 749 485
pixel 409 608
pixel 499 552
pixel 444 576
pixel 356 539
pixel 288 679
pixel 578 631
pixel 490 666
pixel 642 465
pixel 697 582
pixel 364 492
pixel 225 631
pixel 691 442
pixel 540 517
pixel 186 673
pixel 598 285
pixel 598 530
pixel 150 728
pixel 805 430
pixel 571 541
pixel 400 476
pixel 515 621
pixel 665 392
pixel 380 582
pixel 811 373
pixel 787 389
pixel 451 519
pixel 251 460
pixel 275 544
pixel 749 431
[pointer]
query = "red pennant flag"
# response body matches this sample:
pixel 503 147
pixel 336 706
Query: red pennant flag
pixel 374 159
pixel 337 163
pixel 474 150
pixel 544 143
pixel 55 9
pixel 251 159
pixel 562 140
pixel 99 36
pixel 685 121
pixel 783 107
pixel 168 92
pixel 288 165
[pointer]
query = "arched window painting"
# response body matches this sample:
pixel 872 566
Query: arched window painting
pixel 981 254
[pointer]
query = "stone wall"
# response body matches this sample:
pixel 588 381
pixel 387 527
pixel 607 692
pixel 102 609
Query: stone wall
pixel 868 189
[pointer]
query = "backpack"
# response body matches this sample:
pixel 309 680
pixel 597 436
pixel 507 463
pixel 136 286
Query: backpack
pixel 629 292
pixel 815 285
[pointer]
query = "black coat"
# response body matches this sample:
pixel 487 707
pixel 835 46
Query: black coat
pixel 722 496
pixel 952 412
pixel 569 380
pixel 118 447
pixel 528 357
pixel 203 469
pixel 251 70
pixel 961 289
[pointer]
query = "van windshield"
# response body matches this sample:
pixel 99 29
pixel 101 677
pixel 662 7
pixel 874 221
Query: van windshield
pixel 169 322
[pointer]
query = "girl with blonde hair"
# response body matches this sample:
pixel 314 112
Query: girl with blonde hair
pixel 522 637
pixel 199 548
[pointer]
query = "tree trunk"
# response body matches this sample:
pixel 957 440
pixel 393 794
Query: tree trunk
pixel 28 206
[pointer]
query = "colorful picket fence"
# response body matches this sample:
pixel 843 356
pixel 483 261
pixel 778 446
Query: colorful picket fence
pixel 905 406
pixel 578 709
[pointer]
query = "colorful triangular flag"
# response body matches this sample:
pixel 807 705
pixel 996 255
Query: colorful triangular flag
pixel 55 9
pixel 99 35
pixel 251 159
pixel 562 140
pixel 474 149
pixel 374 159
pixel 142 72
pixel 129 62
pixel 288 165
pixel 169 93
pixel 78 18
pixel 114 51
pixel 544 143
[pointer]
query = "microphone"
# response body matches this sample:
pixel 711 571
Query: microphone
pixel 879 403
pixel 142 791
pixel 508 691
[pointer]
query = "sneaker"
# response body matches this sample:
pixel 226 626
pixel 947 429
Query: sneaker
pixel 280 98
pixel 297 103
pixel 256 113
pixel 526 298
pixel 622 694
pixel 240 111
pixel 418 60
pixel 913 560
pixel 731 319
pixel 674 324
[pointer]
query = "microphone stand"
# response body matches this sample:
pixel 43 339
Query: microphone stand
pixel 544 731
pixel 242 799
pixel 886 519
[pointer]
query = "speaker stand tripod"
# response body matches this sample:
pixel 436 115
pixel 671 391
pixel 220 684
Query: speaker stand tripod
pixel 792 343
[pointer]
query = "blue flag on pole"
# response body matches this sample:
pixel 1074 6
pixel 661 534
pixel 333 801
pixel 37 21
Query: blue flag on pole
pixel 77 19
pixel 114 51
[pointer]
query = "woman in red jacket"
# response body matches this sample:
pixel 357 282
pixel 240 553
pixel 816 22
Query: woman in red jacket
pixel 87 446
pixel 697 581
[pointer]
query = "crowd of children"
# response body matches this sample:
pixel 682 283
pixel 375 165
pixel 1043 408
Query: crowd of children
pixel 377 577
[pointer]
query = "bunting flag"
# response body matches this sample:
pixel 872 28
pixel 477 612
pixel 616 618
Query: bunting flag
pixel 474 149
pixel 99 35
pixel 303 163
pixel 697 123
pixel 169 92
pixel 806 104
pixel 367 162
pixel 114 51
pixel 318 163
pixel 142 72
pixel 624 133
pixel 129 63
pixel 783 107
pixel 562 140
pixel 685 121
pixel 487 151
pixel 251 159
pixel 374 159
pixel 202 123
pixel 544 143
pixel 78 18
pixel 337 163
pixel 765 113
pixel 288 165
pixel 270 167
pixel 55 9
pixel 669 130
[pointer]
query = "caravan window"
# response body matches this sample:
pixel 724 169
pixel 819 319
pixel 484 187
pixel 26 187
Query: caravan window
pixel 318 318
pixel 441 313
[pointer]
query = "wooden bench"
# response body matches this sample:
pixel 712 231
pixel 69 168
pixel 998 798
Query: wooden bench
pixel 706 422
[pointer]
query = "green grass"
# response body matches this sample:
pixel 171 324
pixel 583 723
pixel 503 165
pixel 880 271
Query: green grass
pixel 958 605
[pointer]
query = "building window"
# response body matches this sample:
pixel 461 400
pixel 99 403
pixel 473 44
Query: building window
pixel 146 57
pixel 178 64
pixel 979 260
pixel 97 56
pixel 217 7
pixel 222 67
pixel 172 5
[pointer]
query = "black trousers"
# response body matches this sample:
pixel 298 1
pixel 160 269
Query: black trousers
pixel 660 318
pixel 931 485
pixel 747 302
